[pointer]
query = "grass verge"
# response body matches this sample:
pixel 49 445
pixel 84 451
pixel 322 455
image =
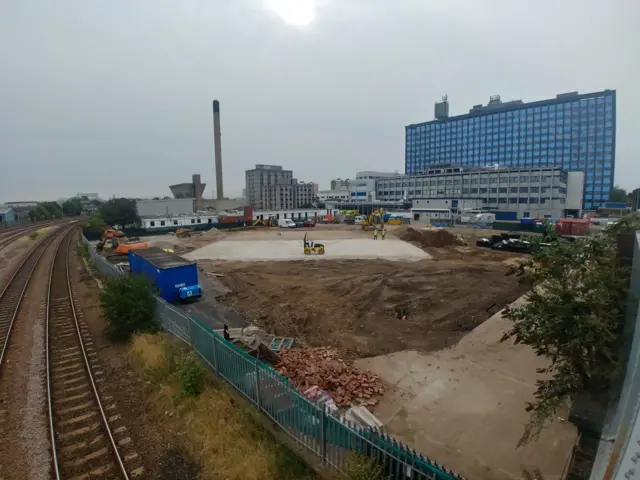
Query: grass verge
pixel 219 432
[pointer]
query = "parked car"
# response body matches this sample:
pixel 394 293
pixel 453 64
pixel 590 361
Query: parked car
pixel 310 223
pixel 299 223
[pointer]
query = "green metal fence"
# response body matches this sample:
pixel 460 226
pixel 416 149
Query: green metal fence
pixel 307 425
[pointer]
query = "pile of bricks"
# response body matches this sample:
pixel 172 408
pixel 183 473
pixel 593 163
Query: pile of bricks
pixel 321 366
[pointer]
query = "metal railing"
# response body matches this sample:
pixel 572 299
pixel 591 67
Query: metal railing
pixel 306 424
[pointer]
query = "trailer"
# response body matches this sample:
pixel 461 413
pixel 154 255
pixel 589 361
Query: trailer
pixel 175 277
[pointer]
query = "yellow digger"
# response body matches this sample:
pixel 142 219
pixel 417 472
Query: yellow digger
pixel 311 248
pixel 373 220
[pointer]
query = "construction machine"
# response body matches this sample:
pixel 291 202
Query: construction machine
pixel 121 245
pixel 108 233
pixel 183 233
pixel 270 222
pixel 373 220
pixel 312 248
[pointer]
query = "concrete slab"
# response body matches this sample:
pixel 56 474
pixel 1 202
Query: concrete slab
pixel 390 249
pixel 464 407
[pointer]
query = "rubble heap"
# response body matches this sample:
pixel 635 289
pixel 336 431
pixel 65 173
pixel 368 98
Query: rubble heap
pixel 321 366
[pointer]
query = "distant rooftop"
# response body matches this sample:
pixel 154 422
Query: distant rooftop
pixel 496 104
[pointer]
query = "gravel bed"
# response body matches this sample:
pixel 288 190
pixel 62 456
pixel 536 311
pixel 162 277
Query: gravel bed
pixel 23 388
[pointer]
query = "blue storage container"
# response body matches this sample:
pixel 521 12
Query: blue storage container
pixel 175 277
pixel 506 216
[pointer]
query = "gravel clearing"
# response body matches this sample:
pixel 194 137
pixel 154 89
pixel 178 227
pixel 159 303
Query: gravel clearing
pixel 35 424
pixel 352 248
pixel 22 387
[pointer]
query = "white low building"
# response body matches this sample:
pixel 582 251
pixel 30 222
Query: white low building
pixel 163 222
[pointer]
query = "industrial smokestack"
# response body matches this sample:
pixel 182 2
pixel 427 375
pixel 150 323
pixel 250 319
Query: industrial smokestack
pixel 197 190
pixel 217 148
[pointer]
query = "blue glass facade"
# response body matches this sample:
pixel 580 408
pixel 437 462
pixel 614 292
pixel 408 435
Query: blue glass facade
pixel 574 132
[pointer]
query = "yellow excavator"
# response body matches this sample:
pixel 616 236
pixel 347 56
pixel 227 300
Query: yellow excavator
pixel 312 248
pixel 373 220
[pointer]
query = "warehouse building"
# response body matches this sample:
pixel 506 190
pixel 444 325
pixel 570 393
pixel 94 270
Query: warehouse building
pixel 167 207
pixel 7 217
pixel 527 192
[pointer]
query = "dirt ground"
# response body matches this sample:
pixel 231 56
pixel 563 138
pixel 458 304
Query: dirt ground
pixel 358 306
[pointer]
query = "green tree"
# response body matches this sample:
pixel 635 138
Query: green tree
pixel 45 211
pixel 72 207
pixel 128 305
pixel 573 316
pixel 119 211
pixel 94 223
pixel 618 194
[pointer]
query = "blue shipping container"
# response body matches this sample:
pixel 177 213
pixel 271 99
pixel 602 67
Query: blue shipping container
pixel 170 273
pixel 506 216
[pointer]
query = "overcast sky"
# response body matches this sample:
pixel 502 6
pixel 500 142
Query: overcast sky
pixel 114 96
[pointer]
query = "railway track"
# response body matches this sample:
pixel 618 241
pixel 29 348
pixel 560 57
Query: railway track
pixel 88 437
pixel 8 237
pixel 13 294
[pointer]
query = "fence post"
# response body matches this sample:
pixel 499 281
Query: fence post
pixel 258 382
pixel 215 354
pixel 190 331
pixel 323 435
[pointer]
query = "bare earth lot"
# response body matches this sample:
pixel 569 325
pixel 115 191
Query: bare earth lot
pixel 355 305
pixel 456 393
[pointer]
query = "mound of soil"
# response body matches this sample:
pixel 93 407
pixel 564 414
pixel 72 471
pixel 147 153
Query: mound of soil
pixel 430 238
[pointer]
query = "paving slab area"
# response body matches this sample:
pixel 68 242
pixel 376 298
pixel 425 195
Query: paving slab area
pixel 355 248
pixel 464 406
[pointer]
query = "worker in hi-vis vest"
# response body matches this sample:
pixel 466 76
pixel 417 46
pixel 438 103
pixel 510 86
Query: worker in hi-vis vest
pixel 375 233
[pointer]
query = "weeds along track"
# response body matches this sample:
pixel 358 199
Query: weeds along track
pixel 88 437
pixel 8 237
pixel 13 294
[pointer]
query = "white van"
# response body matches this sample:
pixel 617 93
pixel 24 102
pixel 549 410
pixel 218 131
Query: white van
pixel 286 223
pixel 485 218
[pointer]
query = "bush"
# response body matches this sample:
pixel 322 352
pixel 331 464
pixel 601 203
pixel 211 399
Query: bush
pixel 83 251
pixel 361 467
pixel 34 235
pixel 191 376
pixel 128 305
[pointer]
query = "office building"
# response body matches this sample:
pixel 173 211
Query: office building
pixel 527 192
pixel 572 131
pixel 333 195
pixel 270 187
pixel 369 175
pixel 259 177
pixel 340 184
